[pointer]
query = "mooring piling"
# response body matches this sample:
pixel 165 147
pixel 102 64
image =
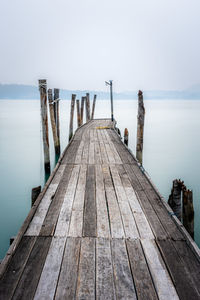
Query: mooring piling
pixel 82 108
pixel 53 122
pixel 87 107
pixel 188 212
pixel 175 198
pixel 93 106
pixel 140 127
pixel 78 113
pixel 126 136
pixel 71 116
pixel 56 111
pixel 45 136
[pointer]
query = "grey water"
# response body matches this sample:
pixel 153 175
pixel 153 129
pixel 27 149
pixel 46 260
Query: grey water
pixel 171 150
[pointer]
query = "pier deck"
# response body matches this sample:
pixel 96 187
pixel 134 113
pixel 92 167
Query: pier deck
pixel 100 230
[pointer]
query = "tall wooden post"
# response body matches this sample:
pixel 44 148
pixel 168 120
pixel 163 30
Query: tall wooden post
pixel 53 123
pixel 93 107
pixel 82 108
pixel 45 136
pixel 175 198
pixel 87 107
pixel 126 136
pixel 71 116
pixel 56 111
pixel 188 212
pixel 78 113
pixel 140 127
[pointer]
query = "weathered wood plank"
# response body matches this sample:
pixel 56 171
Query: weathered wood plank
pixel 127 216
pixel 182 278
pixel 79 153
pixel 10 279
pixel 104 272
pixel 163 284
pixel 70 155
pixel 142 277
pixel 28 283
pixel 103 228
pixel 124 286
pixel 86 273
pixel 117 230
pixel 102 148
pixel 48 280
pixel 38 219
pixel 91 148
pixel 50 221
pixel 89 219
pixel 66 287
pixel 112 146
pixel 62 226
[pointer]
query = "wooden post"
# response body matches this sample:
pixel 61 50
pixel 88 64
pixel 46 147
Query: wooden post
pixel 78 113
pixel 188 212
pixel 93 107
pixel 56 112
pixel 82 108
pixel 87 107
pixel 35 193
pixel 140 127
pixel 53 123
pixel 43 103
pixel 175 198
pixel 126 136
pixel 71 116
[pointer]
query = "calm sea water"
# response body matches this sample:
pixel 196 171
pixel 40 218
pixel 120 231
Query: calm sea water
pixel 171 150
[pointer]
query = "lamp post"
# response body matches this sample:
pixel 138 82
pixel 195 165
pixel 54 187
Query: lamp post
pixel 111 97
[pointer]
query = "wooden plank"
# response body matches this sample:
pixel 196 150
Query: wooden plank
pixel 103 228
pixel 102 148
pixel 59 174
pixel 63 222
pixel 50 221
pixel 126 213
pixel 66 287
pixel 97 153
pixel 117 230
pixel 28 283
pixel 142 277
pixel 86 273
pixel 79 153
pixel 112 146
pixel 40 214
pixel 124 286
pixel 182 278
pixel 89 219
pixel 76 223
pixel 91 148
pixel 48 280
pixel 85 153
pixel 163 284
pixel 104 272
pixel 70 155
pixel 10 279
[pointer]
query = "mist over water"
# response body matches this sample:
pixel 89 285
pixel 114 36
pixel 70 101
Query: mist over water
pixel 171 150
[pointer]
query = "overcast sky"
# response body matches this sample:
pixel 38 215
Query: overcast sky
pixel 78 44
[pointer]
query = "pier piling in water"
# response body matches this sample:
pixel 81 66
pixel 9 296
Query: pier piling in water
pixel 140 127
pixel 126 136
pixel 56 111
pixel 71 116
pixel 188 212
pixel 87 107
pixel 82 108
pixel 78 113
pixel 53 122
pixel 175 198
pixel 45 136
pixel 93 107
pixel 35 193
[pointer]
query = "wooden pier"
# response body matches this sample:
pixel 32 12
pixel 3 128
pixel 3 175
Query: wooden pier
pixel 100 230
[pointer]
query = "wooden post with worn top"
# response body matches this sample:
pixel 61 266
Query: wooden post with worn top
pixel 87 107
pixel 78 113
pixel 53 123
pixel 45 136
pixel 93 107
pixel 126 136
pixel 35 193
pixel 175 198
pixel 82 108
pixel 56 111
pixel 71 116
pixel 140 127
pixel 188 211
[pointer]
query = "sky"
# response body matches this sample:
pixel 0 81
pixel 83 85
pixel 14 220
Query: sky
pixel 78 44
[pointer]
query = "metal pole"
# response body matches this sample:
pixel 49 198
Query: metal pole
pixel 111 99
